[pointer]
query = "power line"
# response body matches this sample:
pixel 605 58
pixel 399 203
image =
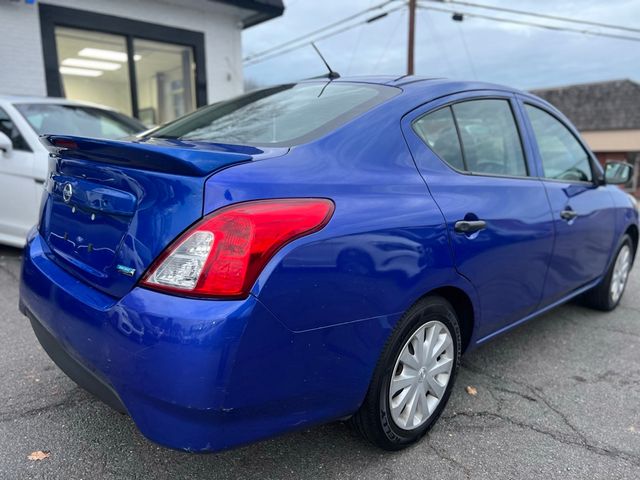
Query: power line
pixel 392 36
pixel 466 49
pixel 539 15
pixel 433 29
pixel 292 41
pixel 532 24
pixel 277 53
pixel 305 40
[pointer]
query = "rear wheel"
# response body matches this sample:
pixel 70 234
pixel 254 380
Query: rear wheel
pixel 607 294
pixel 414 376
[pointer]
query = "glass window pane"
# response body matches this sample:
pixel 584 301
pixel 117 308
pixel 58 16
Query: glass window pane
pixel 47 118
pixel 10 130
pixel 490 137
pixel 279 116
pixel 562 155
pixel 93 67
pixel 438 130
pixel 165 76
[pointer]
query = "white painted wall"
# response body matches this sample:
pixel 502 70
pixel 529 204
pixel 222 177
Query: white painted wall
pixel 22 64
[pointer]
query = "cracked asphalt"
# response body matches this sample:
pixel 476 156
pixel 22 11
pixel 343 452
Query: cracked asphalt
pixel 557 398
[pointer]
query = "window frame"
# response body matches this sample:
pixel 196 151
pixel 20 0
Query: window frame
pixel 52 16
pixel 516 120
pixel 596 174
pixel 17 128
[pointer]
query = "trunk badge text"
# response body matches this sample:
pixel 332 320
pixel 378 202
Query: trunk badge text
pixel 67 193
pixel 128 271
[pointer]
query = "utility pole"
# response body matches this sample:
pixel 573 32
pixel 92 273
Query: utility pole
pixel 412 36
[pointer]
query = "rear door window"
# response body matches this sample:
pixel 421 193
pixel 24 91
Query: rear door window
pixel 438 130
pixel 563 158
pixel 490 139
pixel 475 136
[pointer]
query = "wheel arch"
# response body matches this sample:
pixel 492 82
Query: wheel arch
pixel 632 231
pixel 463 306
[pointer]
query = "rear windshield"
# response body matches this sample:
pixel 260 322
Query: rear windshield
pixel 59 119
pixel 285 115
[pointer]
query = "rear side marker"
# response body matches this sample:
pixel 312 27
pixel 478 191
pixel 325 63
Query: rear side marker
pixel 222 255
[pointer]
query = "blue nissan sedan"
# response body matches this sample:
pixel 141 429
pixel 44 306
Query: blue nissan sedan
pixel 315 251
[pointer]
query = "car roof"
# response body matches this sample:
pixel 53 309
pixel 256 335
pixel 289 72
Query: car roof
pixel 420 89
pixel 17 99
pixel 409 81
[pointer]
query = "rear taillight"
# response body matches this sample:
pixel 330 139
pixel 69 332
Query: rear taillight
pixel 223 254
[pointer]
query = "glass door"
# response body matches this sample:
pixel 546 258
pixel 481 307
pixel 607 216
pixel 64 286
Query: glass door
pixel 164 81
pixel 93 67
pixel 96 67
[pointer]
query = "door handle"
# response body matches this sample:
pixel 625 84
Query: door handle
pixel 568 214
pixel 469 226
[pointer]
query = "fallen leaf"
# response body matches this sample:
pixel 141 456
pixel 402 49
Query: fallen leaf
pixel 473 391
pixel 39 455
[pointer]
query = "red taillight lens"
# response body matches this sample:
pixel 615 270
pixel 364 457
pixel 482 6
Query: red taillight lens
pixel 223 254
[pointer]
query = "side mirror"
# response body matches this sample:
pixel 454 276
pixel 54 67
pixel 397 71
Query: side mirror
pixel 617 173
pixel 6 145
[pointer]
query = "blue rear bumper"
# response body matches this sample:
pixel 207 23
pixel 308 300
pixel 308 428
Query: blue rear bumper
pixel 202 375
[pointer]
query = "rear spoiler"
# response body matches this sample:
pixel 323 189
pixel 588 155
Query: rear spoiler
pixel 170 156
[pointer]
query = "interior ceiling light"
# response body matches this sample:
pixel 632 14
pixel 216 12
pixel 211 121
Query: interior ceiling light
pixel 81 72
pixel 93 64
pixel 102 54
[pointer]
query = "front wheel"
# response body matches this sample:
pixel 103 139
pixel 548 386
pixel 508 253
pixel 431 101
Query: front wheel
pixel 607 294
pixel 414 376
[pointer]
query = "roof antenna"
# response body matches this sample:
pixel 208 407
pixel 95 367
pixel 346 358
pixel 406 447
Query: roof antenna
pixel 332 74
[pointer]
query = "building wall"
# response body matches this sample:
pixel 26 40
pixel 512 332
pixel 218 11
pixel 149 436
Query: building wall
pixel 620 146
pixel 22 69
pixel 613 140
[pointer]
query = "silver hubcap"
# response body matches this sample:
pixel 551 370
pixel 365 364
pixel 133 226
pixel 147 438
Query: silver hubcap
pixel 421 375
pixel 620 273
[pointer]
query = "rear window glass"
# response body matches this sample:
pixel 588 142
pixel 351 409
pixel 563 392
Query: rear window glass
pixel 285 115
pixel 59 119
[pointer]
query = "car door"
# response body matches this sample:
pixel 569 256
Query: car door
pixel 470 153
pixel 582 208
pixel 18 189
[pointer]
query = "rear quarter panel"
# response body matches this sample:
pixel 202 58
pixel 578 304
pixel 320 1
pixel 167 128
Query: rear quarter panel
pixel 385 246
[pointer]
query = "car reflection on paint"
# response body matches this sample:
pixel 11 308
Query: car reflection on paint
pixel 381 253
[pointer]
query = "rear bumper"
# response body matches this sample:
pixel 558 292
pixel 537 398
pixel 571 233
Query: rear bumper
pixel 193 374
pixel 74 369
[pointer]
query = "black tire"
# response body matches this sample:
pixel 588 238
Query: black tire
pixel 373 420
pixel 599 297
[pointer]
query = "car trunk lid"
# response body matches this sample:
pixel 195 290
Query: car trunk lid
pixel 112 207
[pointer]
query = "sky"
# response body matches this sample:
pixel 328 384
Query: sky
pixel 475 49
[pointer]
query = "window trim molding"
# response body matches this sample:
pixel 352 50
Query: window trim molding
pixel 52 16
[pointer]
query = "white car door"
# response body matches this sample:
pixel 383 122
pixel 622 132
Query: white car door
pixel 18 187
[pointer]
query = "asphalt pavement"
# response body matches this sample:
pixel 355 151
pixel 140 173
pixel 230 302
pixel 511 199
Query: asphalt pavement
pixel 556 398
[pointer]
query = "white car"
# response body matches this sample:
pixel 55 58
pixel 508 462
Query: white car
pixel 24 160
